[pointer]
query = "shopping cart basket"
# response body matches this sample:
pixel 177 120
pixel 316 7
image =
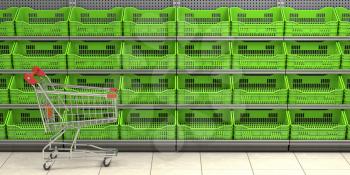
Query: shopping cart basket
pixel 54 113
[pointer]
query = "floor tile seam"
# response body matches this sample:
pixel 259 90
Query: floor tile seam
pixel 301 166
pixel 151 168
pixel 250 163
pixel 8 157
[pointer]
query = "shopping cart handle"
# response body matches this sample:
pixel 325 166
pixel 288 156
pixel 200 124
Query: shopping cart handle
pixel 38 72
pixel 29 78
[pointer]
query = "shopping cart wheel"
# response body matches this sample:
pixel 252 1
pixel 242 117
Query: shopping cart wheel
pixel 47 165
pixel 53 156
pixel 107 161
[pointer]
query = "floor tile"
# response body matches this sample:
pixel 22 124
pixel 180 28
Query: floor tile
pixel 346 156
pixel 175 172
pixel 278 172
pixel 271 155
pixel 123 171
pixel 324 164
pixel 275 164
pixel 74 171
pixel 327 172
pixel 23 171
pixel 184 161
pixel 133 160
pixel 227 162
pixel 20 160
pixel 227 172
pixel 319 155
pixel 224 155
pixel 3 157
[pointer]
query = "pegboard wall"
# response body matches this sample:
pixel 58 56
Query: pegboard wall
pixel 159 4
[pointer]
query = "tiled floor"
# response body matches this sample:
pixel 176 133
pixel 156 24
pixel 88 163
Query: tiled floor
pixel 184 164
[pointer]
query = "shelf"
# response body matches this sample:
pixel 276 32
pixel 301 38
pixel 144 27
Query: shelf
pixel 177 38
pixel 199 72
pixel 192 145
pixel 188 106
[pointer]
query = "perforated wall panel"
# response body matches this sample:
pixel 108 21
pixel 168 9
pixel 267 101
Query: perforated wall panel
pixel 141 4
pixel 316 4
pixel 36 4
pixel 245 4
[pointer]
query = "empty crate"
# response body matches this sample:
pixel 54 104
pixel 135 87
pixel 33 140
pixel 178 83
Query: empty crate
pixel 347 114
pixel 325 124
pixel 7 21
pixel 46 55
pixel 138 124
pixel 204 89
pixel 203 22
pixel 344 21
pixel 97 81
pixel 94 55
pixel 346 81
pixel 149 22
pixel 258 55
pixel 6 49
pixel 107 131
pixel 313 55
pixel 204 125
pixel 345 50
pixel 5 82
pixel 261 124
pixel 84 22
pixel 3 116
pixel 26 124
pixel 23 93
pixel 321 22
pixel 204 55
pixel 148 89
pixel 268 22
pixel 149 55
pixel 31 22
pixel 315 89
pixel 260 89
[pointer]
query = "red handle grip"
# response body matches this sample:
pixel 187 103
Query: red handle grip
pixel 36 71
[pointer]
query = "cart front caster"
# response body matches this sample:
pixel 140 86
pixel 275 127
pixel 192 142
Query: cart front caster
pixel 47 166
pixel 107 161
pixel 53 156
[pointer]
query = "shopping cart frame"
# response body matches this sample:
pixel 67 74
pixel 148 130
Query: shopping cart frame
pixel 50 102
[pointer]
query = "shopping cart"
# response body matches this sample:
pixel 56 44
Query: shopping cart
pixel 63 110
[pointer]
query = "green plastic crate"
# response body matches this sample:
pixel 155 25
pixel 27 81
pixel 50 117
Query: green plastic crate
pixel 259 55
pixel 149 22
pixel 346 81
pixel 313 55
pixel 136 124
pixel 268 22
pixel 321 22
pixel 204 55
pixel 148 89
pixel 26 124
pixel 46 55
pixel 204 89
pixel 7 21
pixel 30 22
pixel 344 21
pixel 347 114
pixel 261 124
pixel 94 55
pixel 5 82
pixel 203 22
pixel 204 125
pixel 149 55
pixel 108 131
pixel 345 50
pixel 3 116
pixel 325 124
pixel 315 89
pixel 84 22
pixel 260 89
pixel 6 49
pixel 23 93
pixel 101 81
